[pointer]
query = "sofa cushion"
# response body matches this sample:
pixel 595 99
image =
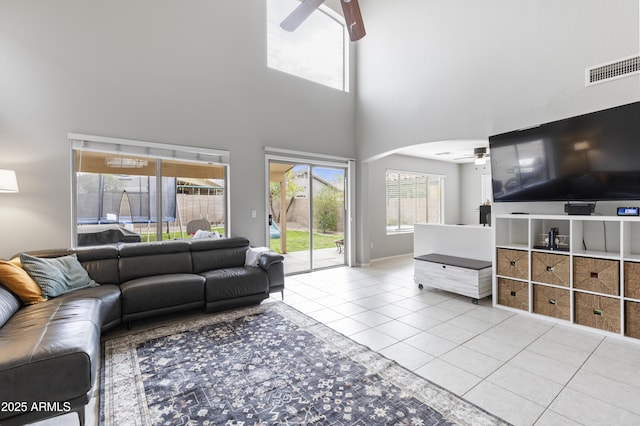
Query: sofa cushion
pixel 49 349
pixel 161 291
pixel 230 283
pixel 139 260
pixel 20 282
pixel 216 254
pixel 9 305
pixel 101 263
pixel 57 275
pixel 110 307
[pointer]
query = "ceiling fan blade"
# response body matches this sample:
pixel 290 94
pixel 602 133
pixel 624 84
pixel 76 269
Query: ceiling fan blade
pixel 353 19
pixel 299 14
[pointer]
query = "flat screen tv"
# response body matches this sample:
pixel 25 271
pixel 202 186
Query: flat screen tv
pixel 592 157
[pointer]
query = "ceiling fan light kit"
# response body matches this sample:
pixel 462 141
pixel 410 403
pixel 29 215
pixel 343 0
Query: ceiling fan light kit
pixel 350 10
pixel 480 155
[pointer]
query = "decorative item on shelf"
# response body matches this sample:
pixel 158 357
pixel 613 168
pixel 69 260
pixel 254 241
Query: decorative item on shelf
pixel 485 213
pixel 552 239
pixel 558 242
pixel 8 181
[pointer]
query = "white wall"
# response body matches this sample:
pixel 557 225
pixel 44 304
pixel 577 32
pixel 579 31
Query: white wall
pixel 471 192
pixel 433 70
pixel 194 73
pixel 188 73
pixel 470 241
pixel 430 70
pixel 375 211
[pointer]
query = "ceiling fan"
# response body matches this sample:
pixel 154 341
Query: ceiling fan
pixel 479 156
pixel 350 9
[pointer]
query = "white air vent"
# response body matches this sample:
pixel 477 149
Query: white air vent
pixel 612 70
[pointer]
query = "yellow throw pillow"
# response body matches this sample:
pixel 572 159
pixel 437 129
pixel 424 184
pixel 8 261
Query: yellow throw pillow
pixel 20 282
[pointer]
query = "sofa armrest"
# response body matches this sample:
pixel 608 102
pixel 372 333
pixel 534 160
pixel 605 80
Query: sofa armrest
pixel 267 259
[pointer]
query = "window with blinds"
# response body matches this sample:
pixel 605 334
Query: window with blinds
pixel 413 198
pixel 130 191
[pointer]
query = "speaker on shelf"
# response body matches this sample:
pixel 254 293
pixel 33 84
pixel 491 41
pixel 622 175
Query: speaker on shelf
pixel 584 209
pixel 485 215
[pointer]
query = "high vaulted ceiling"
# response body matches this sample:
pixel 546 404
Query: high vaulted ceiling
pixel 454 151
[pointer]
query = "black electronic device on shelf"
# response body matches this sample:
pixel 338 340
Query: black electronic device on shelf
pixel 553 241
pixel 628 211
pixel 485 215
pixel 584 209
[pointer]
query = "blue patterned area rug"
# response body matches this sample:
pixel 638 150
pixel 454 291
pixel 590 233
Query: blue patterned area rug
pixel 265 365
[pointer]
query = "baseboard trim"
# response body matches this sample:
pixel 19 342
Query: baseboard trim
pixel 397 256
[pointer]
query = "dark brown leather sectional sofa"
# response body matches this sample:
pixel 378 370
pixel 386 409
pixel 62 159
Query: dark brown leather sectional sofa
pixel 49 352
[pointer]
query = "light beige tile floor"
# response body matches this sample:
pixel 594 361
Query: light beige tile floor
pixel 525 369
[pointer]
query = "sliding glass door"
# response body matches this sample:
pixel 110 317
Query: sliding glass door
pixel 328 214
pixel 307 214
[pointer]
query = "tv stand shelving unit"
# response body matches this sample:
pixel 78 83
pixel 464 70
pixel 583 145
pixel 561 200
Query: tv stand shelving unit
pixel 592 279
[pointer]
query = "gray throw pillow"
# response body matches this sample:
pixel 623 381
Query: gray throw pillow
pixel 57 275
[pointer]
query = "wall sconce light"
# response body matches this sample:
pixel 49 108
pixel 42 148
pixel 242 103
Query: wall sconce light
pixel 8 181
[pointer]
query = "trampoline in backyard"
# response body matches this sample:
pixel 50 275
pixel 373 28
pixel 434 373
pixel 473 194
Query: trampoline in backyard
pixel 122 208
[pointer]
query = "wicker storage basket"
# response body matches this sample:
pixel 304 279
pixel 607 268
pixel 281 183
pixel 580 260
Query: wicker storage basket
pixel 632 319
pixel 597 311
pixel 599 275
pixel 632 280
pixel 550 268
pixel 552 302
pixel 513 263
pixel 513 293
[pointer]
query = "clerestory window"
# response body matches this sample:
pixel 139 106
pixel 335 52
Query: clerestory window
pixel 318 50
